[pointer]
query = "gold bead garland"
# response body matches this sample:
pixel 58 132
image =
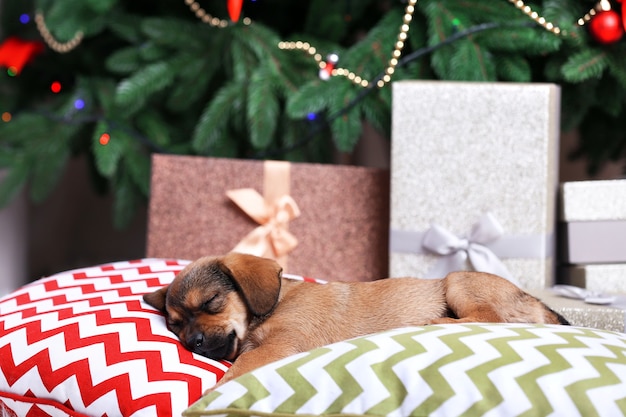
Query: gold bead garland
pixel 527 10
pixel 205 17
pixel 603 5
pixel 51 41
pixel 201 14
pixel 540 20
pixel 356 79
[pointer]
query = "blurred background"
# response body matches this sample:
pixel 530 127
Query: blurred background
pixel 90 89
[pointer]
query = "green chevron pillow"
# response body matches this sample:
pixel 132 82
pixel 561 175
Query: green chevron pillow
pixel 452 370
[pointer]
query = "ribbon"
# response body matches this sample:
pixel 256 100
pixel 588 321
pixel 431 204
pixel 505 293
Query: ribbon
pixel 273 211
pixel 578 293
pixel 479 248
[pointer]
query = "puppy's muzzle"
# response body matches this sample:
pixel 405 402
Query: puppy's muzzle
pixel 214 346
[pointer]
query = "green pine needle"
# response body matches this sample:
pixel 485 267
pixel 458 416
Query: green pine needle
pixel 263 109
pixel 133 92
pixel 584 65
pixel 213 122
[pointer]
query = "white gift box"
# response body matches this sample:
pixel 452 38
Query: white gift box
pixel 593 222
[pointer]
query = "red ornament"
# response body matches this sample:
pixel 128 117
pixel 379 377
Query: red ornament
pixel 606 27
pixel 15 53
pixel 234 9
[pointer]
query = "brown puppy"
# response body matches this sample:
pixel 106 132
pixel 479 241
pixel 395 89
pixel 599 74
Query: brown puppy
pixel 239 307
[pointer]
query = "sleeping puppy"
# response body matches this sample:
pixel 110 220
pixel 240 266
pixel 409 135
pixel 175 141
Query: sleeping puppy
pixel 239 307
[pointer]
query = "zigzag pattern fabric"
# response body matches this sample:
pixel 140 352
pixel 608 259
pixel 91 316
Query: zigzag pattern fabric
pixel 444 370
pixel 83 343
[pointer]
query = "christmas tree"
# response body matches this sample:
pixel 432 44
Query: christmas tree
pixel 281 79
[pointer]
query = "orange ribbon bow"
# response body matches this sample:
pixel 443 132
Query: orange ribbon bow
pixel 273 211
pixel 271 239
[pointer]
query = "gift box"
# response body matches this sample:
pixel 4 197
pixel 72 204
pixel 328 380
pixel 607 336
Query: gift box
pixel 605 278
pixel 324 221
pixel 474 179
pixel 592 222
pixel 579 313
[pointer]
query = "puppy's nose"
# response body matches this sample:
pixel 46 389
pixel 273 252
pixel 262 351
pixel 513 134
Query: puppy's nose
pixel 197 340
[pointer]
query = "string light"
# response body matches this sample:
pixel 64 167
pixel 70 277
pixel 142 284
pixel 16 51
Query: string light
pixel 6 117
pixel 104 139
pixel 55 87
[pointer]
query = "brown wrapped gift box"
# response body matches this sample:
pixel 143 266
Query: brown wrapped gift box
pixel 342 231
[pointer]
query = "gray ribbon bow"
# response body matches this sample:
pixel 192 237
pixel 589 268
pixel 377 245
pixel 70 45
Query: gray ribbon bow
pixel 456 250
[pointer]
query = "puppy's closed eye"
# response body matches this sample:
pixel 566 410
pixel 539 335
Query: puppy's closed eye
pixel 213 305
pixel 174 325
pixel 210 305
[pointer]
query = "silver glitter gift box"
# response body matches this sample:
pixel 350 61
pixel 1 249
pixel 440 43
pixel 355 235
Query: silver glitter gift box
pixel 593 222
pixel 604 278
pixel 578 313
pixel 474 179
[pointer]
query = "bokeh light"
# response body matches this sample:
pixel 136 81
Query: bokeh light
pixel 104 139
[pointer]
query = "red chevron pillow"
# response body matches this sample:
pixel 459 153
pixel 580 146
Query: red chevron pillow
pixel 83 343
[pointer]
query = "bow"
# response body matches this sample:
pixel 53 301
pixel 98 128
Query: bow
pixel 271 239
pixel 455 250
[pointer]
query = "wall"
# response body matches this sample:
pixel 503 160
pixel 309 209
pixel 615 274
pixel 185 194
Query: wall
pixel 13 241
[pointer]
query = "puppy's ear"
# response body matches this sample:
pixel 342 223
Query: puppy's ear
pixel 258 280
pixel 157 298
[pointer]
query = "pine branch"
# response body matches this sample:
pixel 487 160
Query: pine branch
pixel 617 67
pixel 100 6
pixel 124 61
pixel 47 170
pixel 150 123
pixel 107 156
pixel 211 129
pixel 470 61
pixel 372 53
pixel 262 109
pixel 346 121
pixel 133 92
pixel 581 66
pixel 137 165
pixel 192 84
pixel 311 98
pixel 513 68
pixel 124 26
pixel 177 33
pixel 126 201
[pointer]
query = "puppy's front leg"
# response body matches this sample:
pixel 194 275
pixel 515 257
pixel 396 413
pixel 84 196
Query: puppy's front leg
pixel 252 360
